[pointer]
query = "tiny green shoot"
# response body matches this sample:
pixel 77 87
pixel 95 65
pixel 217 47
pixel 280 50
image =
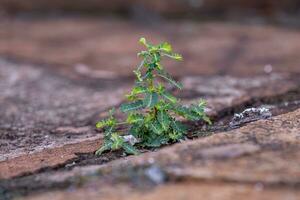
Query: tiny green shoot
pixel 152 111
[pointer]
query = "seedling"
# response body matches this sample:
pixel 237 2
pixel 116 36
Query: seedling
pixel 152 112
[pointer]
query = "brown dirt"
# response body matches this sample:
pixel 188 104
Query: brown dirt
pixel 46 159
pixel 179 191
pixel 41 109
pixel 260 160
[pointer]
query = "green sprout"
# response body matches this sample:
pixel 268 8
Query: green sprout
pixel 152 111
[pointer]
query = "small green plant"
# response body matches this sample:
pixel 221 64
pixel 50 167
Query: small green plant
pixel 152 112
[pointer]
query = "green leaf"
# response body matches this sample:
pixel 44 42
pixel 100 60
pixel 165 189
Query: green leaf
pixel 151 99
pixel 135 130
pixel 198 110
pixel 130 149
pixel 186 112
pixel 126 107
pixel 143 41
pixel 139 90
pixel 175 56
pixel 166 47
pixel 143 54
pixel 136 91
pixel 156 127
pixel 156 58
pixel 202 103
pixel 148 75
pixel 170 79
pixel 159 66
pixel 135 118
pixel 175 135
pixel 117 141
pixel 156 141
pixel 104 147
pixel 160 88
pixel 180 110
pixel 191 115
pixel 169 97
pixel 178 127
pixel 101 124
pixel 206 119
pixel 164 120
pixel 109 130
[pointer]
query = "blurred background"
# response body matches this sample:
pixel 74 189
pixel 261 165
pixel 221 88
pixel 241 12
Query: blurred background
pixel 279 10
pixel 98 38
